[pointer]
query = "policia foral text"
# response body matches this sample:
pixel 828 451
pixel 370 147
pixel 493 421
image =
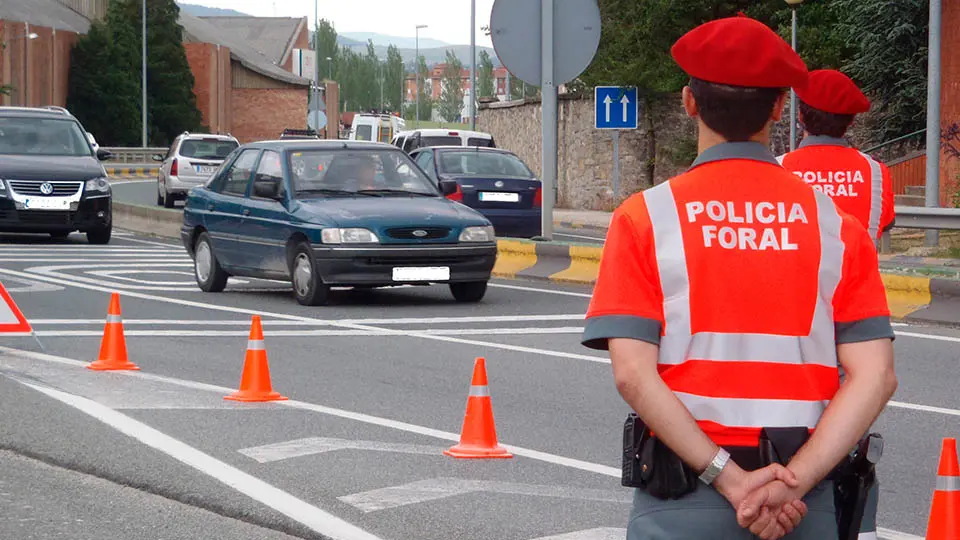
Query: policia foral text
pixel 728 297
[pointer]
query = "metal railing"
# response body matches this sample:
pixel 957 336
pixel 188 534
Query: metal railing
pixel 922 217
pixel 134 155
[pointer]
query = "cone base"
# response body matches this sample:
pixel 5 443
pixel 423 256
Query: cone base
pixel 469 451
pixel 102 365
pixel 255 396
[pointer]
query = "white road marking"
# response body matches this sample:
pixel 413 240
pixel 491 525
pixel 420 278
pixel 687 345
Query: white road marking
pixel 258 490
pixel 600 533
pixel 535 289
pixel 28 285
pixel 929 336
pixel 152 243
pixel 924 408
pixel 115 180
pixel 328 333
pixel 887 534
pixel 412 320
pixel 117 274
pixel 319 445
pixel 441 488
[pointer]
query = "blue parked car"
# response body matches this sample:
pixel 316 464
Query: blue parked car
pixel 495 182
pixel 333 213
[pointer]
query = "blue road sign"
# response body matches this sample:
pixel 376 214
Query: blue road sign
pixel 615 107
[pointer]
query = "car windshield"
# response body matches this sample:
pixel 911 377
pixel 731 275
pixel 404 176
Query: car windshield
pixel 329 173
pixel 207 148
pixel 42 137
pixel 440 140
pixel 468 162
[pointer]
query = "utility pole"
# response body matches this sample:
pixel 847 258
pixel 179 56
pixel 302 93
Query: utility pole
pixel 416 68
pixel 316 58
pixel 143 75
pixel 932 193
pixel 473 64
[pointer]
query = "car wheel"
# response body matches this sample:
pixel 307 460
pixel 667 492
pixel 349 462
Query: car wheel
pixel 210 275
pixel 159 196
pixel 100 235
pixel 308 288
pixel 472 291
pixel 167 200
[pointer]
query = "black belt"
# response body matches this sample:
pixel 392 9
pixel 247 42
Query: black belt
pixel 747 457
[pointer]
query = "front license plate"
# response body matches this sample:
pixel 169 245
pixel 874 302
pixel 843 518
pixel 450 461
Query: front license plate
pixel 206 169
pixel 496 196
pixel 43 203
pixel 422 273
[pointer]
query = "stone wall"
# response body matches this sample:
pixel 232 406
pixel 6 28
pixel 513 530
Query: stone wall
pixel 585 154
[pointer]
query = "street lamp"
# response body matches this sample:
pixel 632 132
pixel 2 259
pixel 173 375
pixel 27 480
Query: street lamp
pixel 794 4
pixel 416 67
pixel 330 67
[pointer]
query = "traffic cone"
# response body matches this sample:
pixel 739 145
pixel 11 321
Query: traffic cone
pixel 113 346
pixel 255 380
pixel 478 438
pixel 944 522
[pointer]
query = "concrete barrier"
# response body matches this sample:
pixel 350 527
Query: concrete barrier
pixel 132 172
pixel 150 220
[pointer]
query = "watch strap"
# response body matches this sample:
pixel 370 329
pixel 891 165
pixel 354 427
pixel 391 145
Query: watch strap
pixel 716 466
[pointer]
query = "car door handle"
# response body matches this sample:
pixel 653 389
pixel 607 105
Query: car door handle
pixel 210 207
pixel 246 211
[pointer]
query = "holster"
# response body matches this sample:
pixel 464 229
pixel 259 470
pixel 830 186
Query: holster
pixel 650 465
pixel 780 444
pixel 853 478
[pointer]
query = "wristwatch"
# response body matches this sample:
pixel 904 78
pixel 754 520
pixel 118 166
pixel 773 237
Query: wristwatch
pixel 717 465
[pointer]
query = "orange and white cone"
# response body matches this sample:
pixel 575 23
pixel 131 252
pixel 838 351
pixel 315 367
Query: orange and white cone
pixel 478 438
pixel 113 346
pixel 255 381
pixel 944 522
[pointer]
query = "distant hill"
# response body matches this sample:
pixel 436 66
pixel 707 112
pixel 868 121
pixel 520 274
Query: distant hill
pixel 400 42
pixel 433 54
pixel 204 11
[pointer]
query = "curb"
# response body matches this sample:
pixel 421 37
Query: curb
pixel 580 225
pixel 161 222
pixel 131 172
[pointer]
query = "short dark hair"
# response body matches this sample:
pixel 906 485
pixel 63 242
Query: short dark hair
pixel 735 112
pixel 818 122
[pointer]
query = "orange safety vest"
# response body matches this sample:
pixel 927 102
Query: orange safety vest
pixel 857 183
pixel 746 279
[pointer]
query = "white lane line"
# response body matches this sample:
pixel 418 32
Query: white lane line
pixel 31 286
pixel 923 408
pixel 928 336
pixel 284 316
pixel 535 289
pixel 328 333
pixel 117 260
pixel 258 490
pixel 426 320
pixel 600 533
pixel 320 445
pixel 887 534
pixel 565 235
pixel 441 488
pixel 339 413
pixel 117 181
pixel 151 243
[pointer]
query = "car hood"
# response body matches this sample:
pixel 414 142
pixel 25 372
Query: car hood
pixel 49 167
pixel 388 211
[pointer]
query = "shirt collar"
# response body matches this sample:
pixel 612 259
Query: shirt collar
pixel 736 150
pixel 822 140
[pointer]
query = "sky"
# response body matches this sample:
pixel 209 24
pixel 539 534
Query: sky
pixel 446 20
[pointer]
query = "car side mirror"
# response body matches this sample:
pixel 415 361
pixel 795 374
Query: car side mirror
pixel 157 157
pixel 448 187
pixel 104 155
pixel 266 187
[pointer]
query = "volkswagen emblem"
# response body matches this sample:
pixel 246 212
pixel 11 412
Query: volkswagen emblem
pixel 46 188
pixel 498 183
pixel 419 233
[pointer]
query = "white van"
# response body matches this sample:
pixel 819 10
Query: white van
pixel 419 138
pixel 375 127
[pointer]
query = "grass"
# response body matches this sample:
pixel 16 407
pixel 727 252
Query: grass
pixel 903 239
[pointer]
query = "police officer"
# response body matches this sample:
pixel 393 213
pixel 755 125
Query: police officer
pixel 857 183
pixel 727 297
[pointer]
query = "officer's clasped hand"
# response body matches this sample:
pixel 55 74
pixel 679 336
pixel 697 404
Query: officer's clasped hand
pixel 772 511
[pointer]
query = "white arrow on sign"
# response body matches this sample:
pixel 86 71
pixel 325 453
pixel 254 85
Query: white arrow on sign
pixel 600 533
pixel 441 488
pixel 320 445
pixel 607 101
pixel 625 101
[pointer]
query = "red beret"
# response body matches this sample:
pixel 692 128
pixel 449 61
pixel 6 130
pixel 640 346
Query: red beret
pixel 739 51
pixel 831 91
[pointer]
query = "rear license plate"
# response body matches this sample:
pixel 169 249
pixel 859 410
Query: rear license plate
pixel 495 196
pixel 421 273
pixel 206 169
pixel 44 203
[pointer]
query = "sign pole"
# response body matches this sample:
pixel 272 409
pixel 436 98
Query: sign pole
pixel 616 165
pixel 548 115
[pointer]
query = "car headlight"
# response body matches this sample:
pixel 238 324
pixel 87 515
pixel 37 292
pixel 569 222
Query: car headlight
pixel 348 236
pixel 98 184
pixel 477 234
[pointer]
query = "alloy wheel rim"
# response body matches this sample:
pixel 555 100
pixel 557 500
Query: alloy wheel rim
pixel 302 274
pixel 204 261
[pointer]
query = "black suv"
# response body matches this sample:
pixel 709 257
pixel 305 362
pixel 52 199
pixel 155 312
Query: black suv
pixel 51 180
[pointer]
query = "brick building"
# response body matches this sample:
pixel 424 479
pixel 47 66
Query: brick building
pixel 242 67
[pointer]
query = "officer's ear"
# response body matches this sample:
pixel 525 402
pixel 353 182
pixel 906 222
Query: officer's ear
pixel 778 106
pixel 689 102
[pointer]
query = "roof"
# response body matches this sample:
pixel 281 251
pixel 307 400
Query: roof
pixel 49 13
pixel 273 37
pixel 320 144
pixel 196 29
pixel 35 111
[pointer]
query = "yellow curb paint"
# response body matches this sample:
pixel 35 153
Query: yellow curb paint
pixel 906 294
pixel 514 256
pixel 584 266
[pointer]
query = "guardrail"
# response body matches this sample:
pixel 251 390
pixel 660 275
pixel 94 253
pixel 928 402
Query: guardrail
pixel 133 155
pixel 922 217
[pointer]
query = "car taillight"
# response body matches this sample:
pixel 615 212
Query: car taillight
pixel 538 197
pixel 174 168
pixel 456 195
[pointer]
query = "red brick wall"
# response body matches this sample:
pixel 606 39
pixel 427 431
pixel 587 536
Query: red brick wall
pixel 261 114
pixel 211 69
pixel 949 99
pixel 47 62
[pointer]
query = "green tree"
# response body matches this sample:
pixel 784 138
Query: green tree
pixel 326 47
pixel 426 102
pixel 451 93
pixel 485 76
pixel 394 76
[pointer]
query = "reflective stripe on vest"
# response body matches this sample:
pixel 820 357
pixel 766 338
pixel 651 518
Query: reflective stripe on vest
pixel 715 372
pixel 876 196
